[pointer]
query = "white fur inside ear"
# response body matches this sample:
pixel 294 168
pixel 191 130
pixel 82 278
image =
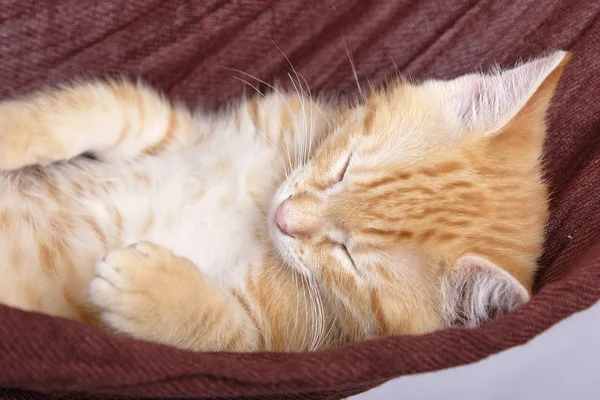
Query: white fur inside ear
pixel 477 290
pixel 488 102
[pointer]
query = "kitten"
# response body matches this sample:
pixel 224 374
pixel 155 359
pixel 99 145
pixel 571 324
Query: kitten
pixel 284 223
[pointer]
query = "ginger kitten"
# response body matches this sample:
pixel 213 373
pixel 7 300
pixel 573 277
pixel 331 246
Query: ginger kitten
pixel 283 223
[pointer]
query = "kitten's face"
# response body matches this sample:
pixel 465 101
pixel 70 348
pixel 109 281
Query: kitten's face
pixel 344 217
pixel 390 203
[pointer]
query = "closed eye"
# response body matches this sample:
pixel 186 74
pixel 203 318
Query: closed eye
pixel 342 172
pixel 347 252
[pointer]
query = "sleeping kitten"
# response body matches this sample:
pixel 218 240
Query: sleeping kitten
pixel 283 223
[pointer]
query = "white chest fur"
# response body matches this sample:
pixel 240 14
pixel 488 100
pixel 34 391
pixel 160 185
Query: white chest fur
pixel 206 203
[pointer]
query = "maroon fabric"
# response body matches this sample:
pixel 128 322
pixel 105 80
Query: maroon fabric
pixel 181 47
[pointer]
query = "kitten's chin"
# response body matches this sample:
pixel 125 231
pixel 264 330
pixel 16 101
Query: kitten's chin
pixel 286 247
pixel 282 242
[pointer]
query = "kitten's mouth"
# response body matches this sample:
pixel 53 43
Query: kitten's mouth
pixel 280 226
pixel 283 239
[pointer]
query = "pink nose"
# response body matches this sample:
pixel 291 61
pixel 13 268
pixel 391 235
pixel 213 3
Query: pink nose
pixel 280 218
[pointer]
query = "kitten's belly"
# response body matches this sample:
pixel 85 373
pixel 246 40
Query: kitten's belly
pixel 218 234
pixel 205 204
pixel 210 208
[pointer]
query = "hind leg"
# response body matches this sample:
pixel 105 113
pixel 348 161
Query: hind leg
pixel 108 119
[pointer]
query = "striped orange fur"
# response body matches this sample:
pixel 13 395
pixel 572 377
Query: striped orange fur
pixel 283 223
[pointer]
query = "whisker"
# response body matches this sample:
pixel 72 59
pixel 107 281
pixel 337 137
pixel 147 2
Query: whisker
pixel 396 67
pixel 306 300
pixel 264 135
pixel 301 93
pixel 321 315
pixel 279 94
pixel 352 65
pixel 294 279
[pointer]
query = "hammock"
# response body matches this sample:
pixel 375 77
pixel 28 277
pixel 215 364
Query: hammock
pixel 181 46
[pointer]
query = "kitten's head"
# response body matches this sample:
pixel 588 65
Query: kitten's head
pixel 425 206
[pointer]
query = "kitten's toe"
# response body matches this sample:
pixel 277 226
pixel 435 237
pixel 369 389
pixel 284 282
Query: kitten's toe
pixel 126 285
pixel 153 255
pixel 136 287
pixel 103 291
pixel 115 292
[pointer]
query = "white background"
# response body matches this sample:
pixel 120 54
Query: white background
pixel 561 363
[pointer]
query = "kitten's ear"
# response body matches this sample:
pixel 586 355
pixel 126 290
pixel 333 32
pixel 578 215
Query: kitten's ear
pixel 485 103
pixel 477 290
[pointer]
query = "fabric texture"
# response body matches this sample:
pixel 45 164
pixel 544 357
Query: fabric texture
pixel 183 46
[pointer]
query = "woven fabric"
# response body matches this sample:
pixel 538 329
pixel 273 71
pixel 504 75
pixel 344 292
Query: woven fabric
pixel 182 46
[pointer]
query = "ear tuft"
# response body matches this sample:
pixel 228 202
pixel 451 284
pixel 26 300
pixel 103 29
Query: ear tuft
pixel 488 102
pixel 478 290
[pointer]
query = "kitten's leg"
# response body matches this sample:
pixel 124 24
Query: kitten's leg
pixel 107 119
pixel 149 293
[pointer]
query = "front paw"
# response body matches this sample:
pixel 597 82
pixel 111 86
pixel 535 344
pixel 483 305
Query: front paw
pixel 138 288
